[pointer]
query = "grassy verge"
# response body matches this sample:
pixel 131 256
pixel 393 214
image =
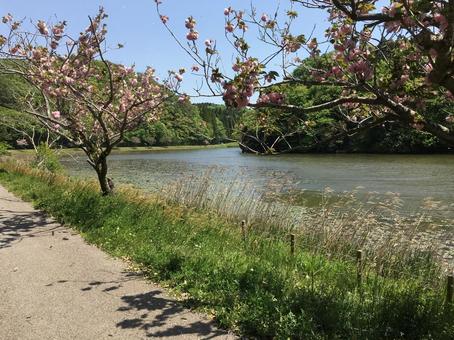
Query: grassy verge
pixel 252 285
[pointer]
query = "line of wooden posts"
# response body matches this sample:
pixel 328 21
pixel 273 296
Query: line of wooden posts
pixel 359 265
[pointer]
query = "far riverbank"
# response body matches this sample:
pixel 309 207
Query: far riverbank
pixel 132 149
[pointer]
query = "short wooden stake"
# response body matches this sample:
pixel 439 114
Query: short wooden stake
pixel 53 233
pixel 450 289
pixel 292 244
pixel 359 266
pixel 243 229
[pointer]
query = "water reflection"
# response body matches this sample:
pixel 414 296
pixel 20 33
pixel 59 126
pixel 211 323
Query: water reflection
pixel 414 177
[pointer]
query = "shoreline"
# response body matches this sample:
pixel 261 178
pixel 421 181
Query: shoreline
pixel 138 149
pixel 248 278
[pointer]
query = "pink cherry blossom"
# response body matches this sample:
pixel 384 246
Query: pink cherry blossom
pixel 242 26
pixel 192 35
pixel 312 44
pixel 98 115
pixel 164 19
pixel 7 18
pixel 336 71
pixel 42 28
pixel 428 68
pixel 183 98
pixel 190 23
pixel 229 27
pixel 441 20
pixel 236 67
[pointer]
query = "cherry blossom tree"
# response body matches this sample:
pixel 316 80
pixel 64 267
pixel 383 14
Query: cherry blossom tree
pixel 388 61
pixel 75 91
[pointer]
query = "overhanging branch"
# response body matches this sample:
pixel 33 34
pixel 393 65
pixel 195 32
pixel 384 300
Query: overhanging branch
pixel 319 107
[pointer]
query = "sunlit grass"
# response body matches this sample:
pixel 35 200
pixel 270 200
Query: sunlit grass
pixel 334 225
pixel 186 240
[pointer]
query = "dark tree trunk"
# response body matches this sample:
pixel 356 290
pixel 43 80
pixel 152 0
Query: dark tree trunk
pixel 101 170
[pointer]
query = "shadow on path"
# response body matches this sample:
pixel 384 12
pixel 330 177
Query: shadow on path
pixel 16 226
pixel 153 301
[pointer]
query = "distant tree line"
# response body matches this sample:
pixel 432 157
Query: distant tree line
pixel 181 123
pixel 260 130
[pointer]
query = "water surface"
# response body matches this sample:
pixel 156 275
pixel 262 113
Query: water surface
pixel 414 177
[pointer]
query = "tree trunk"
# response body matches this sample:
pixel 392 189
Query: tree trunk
pixel 101 170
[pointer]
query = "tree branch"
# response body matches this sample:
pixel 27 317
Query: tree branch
pixel 320 107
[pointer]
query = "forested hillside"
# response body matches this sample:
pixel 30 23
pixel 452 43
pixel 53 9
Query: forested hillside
pixel 262 130
pixel 268 130
pixel 182 123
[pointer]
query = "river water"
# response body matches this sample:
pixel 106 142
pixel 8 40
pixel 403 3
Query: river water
pixel 414 177
pixel 402 190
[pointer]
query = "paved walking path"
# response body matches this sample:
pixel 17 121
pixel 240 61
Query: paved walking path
pixel 55 286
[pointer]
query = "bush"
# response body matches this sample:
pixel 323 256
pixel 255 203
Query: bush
pixel 4 149
pixel 46 159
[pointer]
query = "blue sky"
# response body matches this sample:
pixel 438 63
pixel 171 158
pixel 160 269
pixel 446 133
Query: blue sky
pixel 135 24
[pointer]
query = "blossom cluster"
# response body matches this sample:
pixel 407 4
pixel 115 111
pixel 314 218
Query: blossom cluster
pixel 237 93
pixel 89 97
pixel 401 53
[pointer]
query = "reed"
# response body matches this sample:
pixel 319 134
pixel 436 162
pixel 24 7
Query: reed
pixel 336 227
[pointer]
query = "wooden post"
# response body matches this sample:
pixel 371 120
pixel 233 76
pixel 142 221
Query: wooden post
pixel 243 229
pixel 450 289
pixel 292 244
pixel 53 233
pixel 359 266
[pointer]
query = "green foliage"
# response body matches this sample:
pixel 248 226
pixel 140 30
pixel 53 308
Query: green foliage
pixel 180 124
pixel 253 286
pixel 306 132
pixel 4 149
pixel 21 121
pixel 12 90
pixel 221 120
pixel 184 123
pixel 46 159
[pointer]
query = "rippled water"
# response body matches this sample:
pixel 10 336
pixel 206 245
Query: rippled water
pixel 298 182
pixel 414 177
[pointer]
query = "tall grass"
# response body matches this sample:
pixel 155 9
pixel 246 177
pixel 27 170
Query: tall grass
pixel 253 285
pixel 335 227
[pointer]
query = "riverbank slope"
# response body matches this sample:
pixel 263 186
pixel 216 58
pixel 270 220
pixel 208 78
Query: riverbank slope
pixel 249 279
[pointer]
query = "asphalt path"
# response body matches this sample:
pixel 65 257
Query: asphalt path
pixel 53 285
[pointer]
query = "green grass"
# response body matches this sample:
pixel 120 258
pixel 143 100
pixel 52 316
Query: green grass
pixel 254 286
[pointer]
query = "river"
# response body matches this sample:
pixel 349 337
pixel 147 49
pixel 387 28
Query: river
pixel 414 177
